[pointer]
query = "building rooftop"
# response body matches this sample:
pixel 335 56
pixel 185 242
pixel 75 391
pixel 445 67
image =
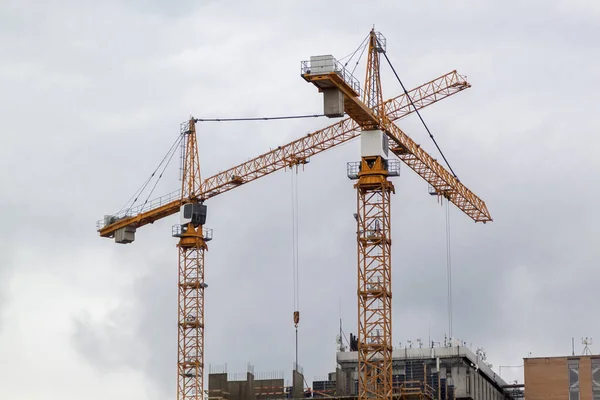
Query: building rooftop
pixel 434 352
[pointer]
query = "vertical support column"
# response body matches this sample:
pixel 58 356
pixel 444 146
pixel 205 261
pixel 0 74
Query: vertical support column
pixel 192 245
pixel 374 280
pixel 190 359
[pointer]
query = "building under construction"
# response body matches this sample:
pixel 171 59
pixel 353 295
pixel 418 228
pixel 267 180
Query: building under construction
pixel 433 373
pixel 251 386
pixel 443 373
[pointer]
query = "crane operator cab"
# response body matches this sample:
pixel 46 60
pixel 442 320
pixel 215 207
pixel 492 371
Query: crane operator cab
pixel 194 213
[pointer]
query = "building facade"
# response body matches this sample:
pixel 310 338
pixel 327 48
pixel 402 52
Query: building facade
pixel 562 378
pixel 221 387
pixel 436 373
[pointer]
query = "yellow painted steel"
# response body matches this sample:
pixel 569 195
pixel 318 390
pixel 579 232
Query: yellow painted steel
pixel 192 245
pixel 374 280
pixel 190 331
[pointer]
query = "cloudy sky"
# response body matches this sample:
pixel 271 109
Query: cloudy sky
pixel 92 95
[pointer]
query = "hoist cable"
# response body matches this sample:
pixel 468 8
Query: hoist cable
pixel 295 236
pixel 297 247
pixel 295 269
pixel 449 268
pixel 419 114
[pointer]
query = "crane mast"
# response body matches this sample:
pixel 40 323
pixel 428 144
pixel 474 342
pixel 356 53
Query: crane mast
pixel 191 246
pixel 374 191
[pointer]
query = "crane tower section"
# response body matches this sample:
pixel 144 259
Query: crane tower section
pixel 374 191
pixel 193 238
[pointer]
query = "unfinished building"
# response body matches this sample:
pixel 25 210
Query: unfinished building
pixel 435 373
pixel 224 386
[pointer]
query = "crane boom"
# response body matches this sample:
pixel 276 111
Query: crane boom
pixel 443 182
pixel 299 151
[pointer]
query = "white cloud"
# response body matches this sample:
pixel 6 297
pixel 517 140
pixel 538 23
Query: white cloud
pixel 93 97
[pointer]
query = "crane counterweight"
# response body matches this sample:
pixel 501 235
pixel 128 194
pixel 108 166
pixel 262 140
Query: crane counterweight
pixel 125 235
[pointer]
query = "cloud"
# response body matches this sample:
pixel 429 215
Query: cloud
pixel 95 92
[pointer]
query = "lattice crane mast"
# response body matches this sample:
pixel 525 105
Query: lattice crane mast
pixel 189 203
pixel 341 94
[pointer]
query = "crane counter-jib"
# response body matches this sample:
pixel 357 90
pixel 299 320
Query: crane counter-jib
pixel 141 219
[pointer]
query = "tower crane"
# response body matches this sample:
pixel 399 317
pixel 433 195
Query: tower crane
pixel 342 94
pixel 189 203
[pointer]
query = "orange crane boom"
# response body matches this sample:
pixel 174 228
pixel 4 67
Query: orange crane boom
pixel 300 151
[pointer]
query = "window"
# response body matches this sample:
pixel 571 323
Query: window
pixel 595 378
pixel 468 381
pixel 573 379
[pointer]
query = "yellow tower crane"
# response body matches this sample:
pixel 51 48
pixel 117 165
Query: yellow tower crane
pixel 341 93
pixel 189 203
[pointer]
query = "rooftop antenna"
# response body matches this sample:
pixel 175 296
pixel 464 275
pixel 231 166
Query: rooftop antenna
pixel 429 335
pixel 572 345
pixel 340 338
pixel 586 342
pixel 480 352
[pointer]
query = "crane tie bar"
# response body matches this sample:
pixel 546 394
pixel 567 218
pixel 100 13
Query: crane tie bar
pixel 257 118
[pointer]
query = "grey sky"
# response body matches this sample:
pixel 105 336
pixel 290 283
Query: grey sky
pixel 92 97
